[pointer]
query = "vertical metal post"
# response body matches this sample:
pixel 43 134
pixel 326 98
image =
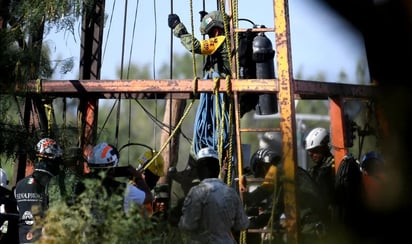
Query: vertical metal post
pixel 287 115
pixel 337 129
pixel 90 65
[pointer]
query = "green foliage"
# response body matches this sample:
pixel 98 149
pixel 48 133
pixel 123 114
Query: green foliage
pixel 13 135
pixel 60 14
pixel 98 218
pixel 23 56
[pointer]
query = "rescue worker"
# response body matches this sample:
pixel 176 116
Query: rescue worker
pixel 211 106
pixel 214 48
pixel 151 174
pixel 8 212
pixel 103 161
pixel 212 209
pixel 138 192
pixel 269 201
pixel 322 171
pixel 103 158
pixel 67 185
pixel 154 171
pixel 134 195
pixel 31 193
pixel 216 66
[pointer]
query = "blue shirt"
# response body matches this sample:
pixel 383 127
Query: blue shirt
pixel 133 195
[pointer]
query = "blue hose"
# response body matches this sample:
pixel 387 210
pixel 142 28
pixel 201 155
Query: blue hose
pixel 206 131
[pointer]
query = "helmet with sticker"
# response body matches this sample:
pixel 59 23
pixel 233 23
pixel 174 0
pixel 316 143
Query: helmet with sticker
pixel 103 155
pixel 211 20
pixel 48 148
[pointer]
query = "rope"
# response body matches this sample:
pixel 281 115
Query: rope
pixel 108 32
pixel 107 119
pixel 117 122
pixel 235 23
pixel 64 117
pixel 128 77
pixel 132 43
pixel 193 39
pixel 49 109
pixel 226 28
pixel 123 41
pixel 242 238
pixel 217 119
pixel 195 85
pixel 38 86
pixel 179 124
pixel 129 131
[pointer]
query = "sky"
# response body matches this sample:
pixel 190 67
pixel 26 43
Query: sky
pixel 321 41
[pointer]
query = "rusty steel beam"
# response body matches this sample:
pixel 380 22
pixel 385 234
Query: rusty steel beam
pixel 303 89
pixel 337 130
pixel 287 121
pixel 324 90
pixel 90 68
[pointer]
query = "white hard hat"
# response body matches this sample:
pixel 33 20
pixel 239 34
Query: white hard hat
pixel 316 138
pixel 207 152
pixel 103 155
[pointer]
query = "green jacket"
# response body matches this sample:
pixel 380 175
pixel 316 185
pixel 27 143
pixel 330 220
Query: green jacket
pixel 219 60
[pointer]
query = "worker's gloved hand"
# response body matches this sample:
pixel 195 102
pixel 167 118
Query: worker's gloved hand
pixel 202 14
pixel 173 20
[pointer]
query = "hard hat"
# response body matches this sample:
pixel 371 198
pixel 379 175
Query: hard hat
pixel 210 20
pixel 104 155
pixel 48 148
pixel 207 152
pixel 316 138
pixel 156 167
pixel 262 158
pixel 3 178
pixel 271 140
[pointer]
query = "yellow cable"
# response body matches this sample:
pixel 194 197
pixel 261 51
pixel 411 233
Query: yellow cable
pixel 193 40
pixel 216 82
pixel 179 124
pixel 49 109
pixel 38 86
pixel 225 24
pixel 195 84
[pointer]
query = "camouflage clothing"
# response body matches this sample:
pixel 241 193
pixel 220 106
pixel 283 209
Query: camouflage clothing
pixel 211 211
pixel 220 57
